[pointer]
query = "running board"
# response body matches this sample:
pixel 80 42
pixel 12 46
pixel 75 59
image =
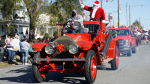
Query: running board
pixel 107 60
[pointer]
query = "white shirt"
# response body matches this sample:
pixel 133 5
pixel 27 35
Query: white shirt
pixel 15 43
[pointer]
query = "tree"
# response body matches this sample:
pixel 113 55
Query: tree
pixel 46 35
pixel 57 8
pixel 62 10
pixel 138 24
pixel 55 34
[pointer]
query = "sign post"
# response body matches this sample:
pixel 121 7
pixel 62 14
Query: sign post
pixel 110 18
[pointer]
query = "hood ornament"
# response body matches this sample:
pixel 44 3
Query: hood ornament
pixel 55 43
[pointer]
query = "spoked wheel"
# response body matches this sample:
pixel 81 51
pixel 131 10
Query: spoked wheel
pixel 115 61
pixel 38 70
pixel 90 67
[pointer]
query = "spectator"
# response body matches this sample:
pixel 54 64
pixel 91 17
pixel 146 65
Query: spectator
pixel 16 45
pixel 24 36
pixel 2 43
pixel 20 48
pixel 24 51
pixel 47 40
pixel 10 50
pixel 22 39
pixel 145 39
pixel 7 40
pixel 43 40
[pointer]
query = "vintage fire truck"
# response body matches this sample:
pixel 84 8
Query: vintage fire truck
pixel 77 52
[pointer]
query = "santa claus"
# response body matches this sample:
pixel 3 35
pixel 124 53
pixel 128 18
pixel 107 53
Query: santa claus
pixel 96 13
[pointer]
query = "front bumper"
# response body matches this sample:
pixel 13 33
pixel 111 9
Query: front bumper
pixel 124 49
pixel 60 59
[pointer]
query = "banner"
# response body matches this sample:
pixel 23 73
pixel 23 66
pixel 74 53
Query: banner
pixel 116 24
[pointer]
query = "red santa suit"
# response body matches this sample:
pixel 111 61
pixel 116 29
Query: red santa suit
pixel 96 13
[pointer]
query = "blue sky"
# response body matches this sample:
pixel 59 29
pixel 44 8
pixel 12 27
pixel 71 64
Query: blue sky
pixel 138 12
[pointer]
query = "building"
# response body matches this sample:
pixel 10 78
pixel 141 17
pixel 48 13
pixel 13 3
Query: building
pixel 43 26
pixel 20 23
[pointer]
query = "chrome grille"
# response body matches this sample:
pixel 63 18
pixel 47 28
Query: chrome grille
pixel 65 40
pixel 121 42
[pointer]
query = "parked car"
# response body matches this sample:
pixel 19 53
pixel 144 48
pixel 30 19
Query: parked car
pixel 77 52
pixel 127 41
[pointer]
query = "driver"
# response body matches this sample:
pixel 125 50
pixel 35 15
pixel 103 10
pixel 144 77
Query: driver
pixel 76 18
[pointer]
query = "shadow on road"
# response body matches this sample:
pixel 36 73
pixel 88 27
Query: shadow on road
pixel 103 67
pixel 25 77
pixel 52 77
pixel 71 78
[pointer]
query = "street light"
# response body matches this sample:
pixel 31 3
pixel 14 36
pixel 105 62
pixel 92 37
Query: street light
pixel 130 14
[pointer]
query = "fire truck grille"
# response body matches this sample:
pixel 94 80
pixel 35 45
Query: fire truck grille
pixel 66 41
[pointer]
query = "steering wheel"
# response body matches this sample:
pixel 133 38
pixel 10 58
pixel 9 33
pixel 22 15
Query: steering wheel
pixel 72 25
pixel 77 26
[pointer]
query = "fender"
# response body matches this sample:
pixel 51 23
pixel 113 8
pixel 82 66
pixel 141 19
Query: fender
pixel 111 49
pixel 86 45
pixel 38 46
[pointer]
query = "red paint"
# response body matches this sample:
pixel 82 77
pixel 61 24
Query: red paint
pixel 86 45
pixel 117 57
pixel 93 69
pixel 38 46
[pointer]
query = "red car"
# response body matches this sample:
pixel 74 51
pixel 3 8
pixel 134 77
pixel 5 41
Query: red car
pixel 77 52
pixel 127 41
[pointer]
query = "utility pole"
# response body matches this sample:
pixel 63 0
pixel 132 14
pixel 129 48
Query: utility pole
pixel 130 14
pixel 101 3
pixel 129 17
pixel 139 20
pixel 127 13
pixel 118 13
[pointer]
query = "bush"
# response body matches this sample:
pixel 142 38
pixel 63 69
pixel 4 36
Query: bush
pixel 46 35
pixel 39 39
pixel 55 34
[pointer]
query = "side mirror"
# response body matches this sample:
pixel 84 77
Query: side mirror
pixel 86 30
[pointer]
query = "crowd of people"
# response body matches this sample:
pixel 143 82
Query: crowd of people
pixel 15 46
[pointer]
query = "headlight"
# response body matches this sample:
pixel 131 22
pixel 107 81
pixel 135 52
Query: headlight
pixel 126 41
pixel 73 49
pixel 77 25
pixel 49 49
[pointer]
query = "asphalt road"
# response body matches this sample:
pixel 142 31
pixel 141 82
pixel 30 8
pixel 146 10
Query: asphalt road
pixel 132 70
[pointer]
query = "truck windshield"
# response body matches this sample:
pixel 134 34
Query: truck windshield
pixel 122 31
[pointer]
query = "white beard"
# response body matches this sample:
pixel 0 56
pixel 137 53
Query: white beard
pixel 95 7
pixel 94 12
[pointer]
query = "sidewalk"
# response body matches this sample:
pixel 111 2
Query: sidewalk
pixel 15 62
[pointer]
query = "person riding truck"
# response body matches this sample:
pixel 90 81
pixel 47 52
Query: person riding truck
pixel 76 18
pixel 96 13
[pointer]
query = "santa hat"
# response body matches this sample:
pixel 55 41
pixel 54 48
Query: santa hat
pixel 97 3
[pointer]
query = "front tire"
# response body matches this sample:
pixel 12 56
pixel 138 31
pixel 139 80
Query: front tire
pixel 37 68
pixel 134 49
pixel 129 53
pixel 115 61
pixel 90 67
